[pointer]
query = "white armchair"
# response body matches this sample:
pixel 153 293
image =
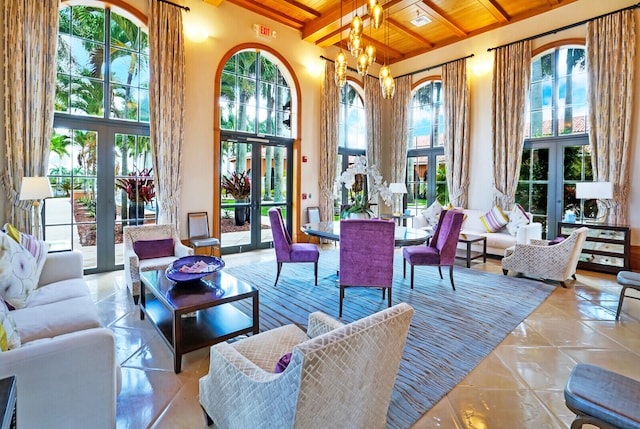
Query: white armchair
pixel 339 375
pixel 557 262
pixel 133 265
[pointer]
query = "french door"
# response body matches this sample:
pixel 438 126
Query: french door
pixel 267 163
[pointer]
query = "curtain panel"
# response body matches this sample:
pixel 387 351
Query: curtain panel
pixel 611 56
pixel 373 113
pixel 166 105
pixel 511 77
pixel 400 105
pixel 456 131
pixel 330 105
pixel 30 44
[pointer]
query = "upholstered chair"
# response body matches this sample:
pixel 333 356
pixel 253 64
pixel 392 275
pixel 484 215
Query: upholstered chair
pixel 366 255
pixel 551 262
pixel 441 250
pixel 338 376
pixel 286 249
pixel 157 245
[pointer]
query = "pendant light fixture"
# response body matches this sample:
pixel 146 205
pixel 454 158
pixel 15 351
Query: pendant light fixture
pixel 340 64
pixel 387 83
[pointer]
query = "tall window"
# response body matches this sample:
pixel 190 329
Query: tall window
pixel 100 136
pixel 556 153
pixel 426 170
pixel 352 134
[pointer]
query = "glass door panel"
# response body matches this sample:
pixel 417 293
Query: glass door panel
pixel 235 199
pixel 417 167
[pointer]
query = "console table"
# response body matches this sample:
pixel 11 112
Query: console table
pixel 607 248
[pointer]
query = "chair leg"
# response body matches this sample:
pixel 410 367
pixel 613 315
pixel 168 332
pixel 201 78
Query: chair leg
pixel 341 298
pixel 451 276
pixel 505 271
pixel 384 293
pixel 278 274
pixel 620 302
pixel 574 276
pixel 315 269
pixel 411 276
pixel 440 271
pixel 208 421
pixel 389 297
pixel 404 268
pixel 136 299
pixel 563 284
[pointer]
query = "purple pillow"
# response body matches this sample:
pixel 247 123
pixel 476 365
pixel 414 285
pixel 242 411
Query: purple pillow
pixel 283 363
pixel 556 241
pixel 149 249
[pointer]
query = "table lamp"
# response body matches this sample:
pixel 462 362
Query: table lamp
pixel 601 191
pixel 35 189
pixel 397 189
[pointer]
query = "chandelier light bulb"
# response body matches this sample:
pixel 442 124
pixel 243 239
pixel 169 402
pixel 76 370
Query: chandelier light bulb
pixel 388 87
pixel 384 72
pixel 341 59
pixel 355 45
pixel 356 25
pixel 340 78
pixel 363 64
pixel 376 13
pixel 372 4
pixel 371 54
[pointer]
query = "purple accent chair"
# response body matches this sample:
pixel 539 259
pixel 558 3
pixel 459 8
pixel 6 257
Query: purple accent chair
pixel 441 249
pixel 286 250
pixel 366 255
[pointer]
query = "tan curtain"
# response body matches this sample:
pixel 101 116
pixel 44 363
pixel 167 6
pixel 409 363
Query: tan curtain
pixel 330 103
pixel 166 105
pixel 400 105
pixel 30 35
pixel 373 113
pixel 456 131
pixel 610 58
pixel 511 74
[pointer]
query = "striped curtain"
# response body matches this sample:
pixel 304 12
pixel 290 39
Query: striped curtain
pixel 330 103
pixel 400 105
pixel 456 131
pixel 611 55
pixel 511 75
pixel 30 36
pixel 166 105
pixel 373 114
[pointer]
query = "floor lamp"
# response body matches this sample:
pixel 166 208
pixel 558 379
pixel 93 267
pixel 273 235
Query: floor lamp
pixel 600 191
pixel 35 189
pixel 397 189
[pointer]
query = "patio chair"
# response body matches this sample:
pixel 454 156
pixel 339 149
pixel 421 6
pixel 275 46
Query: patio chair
pixel 366 255
pixel 286 250
pixel 198 232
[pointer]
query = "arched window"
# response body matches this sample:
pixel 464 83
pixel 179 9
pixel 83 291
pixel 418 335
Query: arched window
pixel 556 153
pixel 426 170
pixel 352 134
pixel 101 134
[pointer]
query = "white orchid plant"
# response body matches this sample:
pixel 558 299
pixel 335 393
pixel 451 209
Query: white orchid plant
pixel 359 201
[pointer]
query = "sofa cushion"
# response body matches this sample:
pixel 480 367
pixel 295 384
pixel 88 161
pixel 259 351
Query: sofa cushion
pixel 9 336
pixel 151 249
pixel 57 318
pixel 432 213
pixel 18 272
pixel 494 220
pixel 517 217
pixel 58 291
pixel 37 248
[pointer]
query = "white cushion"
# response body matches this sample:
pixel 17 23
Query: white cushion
pixel 432 213
pixel 58 291
pixel 494 220
pixel 517 217
pixel 18 272
pixel 9 336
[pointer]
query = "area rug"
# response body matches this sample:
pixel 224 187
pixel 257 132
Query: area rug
pixel 450 333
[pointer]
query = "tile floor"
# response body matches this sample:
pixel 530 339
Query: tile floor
pixel 519 385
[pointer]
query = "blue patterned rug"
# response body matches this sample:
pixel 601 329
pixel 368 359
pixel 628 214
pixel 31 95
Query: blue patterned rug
pixel 451 331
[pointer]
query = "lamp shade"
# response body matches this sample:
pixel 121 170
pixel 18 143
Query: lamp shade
pixel 398 188
pixel 35 188
pixel 594 190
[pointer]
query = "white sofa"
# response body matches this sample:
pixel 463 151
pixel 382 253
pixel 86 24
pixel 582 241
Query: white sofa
pixel 66 369
pixel 498 241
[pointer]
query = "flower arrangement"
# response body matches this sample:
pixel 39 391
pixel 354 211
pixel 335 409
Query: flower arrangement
pixel 353 179
pixel 138 186
pixel 238 185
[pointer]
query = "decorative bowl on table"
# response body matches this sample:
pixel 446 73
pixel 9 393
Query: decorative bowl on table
pixel 193 267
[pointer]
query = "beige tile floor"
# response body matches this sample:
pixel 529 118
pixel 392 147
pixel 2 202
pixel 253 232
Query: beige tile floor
pixel 519 385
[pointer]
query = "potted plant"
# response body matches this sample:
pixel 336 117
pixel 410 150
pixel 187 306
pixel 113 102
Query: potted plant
pixel 359 200
pixel 140 190
pixel 238 186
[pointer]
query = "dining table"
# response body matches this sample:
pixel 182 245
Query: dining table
pixel 404 236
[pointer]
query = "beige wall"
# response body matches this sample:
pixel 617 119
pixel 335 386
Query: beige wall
pixel 230 26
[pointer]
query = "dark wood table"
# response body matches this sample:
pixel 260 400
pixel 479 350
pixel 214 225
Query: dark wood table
pixel 196 314
pixel 331 230
pixel 469 255
pixel 8 399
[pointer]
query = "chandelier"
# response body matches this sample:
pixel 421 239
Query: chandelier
pixel 365 56
pixel 387 84
pixel 340 64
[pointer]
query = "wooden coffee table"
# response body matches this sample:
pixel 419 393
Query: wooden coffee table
pixel 469 256
pixel 196 314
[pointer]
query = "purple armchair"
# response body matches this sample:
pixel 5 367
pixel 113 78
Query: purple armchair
pixel 366 255
pixel 441 250
pixel 286 251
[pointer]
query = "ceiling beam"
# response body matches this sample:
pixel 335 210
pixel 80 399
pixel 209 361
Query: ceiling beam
pixel 216 3
pixel 304 8
pixel 268 12
pixel 496 10
pixel 438 15
pixel 415 36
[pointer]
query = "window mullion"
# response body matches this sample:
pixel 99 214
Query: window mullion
pixel 107 63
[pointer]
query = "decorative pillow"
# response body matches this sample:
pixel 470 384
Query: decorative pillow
pixel 149 249
pixel 494 219
pixel 18 272
pixel 432 213
pixel 37 248
pixel 556 240
pixel 9 335
pixel 283 363
pixel 517 218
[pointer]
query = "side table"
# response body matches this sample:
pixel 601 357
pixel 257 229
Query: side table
pixel 8 399
pixel 469 239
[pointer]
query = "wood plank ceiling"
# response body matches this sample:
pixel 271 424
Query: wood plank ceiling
pixel 326 22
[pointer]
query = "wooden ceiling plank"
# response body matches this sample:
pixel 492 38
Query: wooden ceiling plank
pixel 303 7
pixel 268 12
pixel 216 3
pixel 409 33
pixel 438 14
pixel 553 2
pixel 496 10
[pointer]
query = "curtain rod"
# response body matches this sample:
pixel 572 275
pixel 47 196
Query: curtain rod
pixel 175 4
pixel 566 27
pixel 412 73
